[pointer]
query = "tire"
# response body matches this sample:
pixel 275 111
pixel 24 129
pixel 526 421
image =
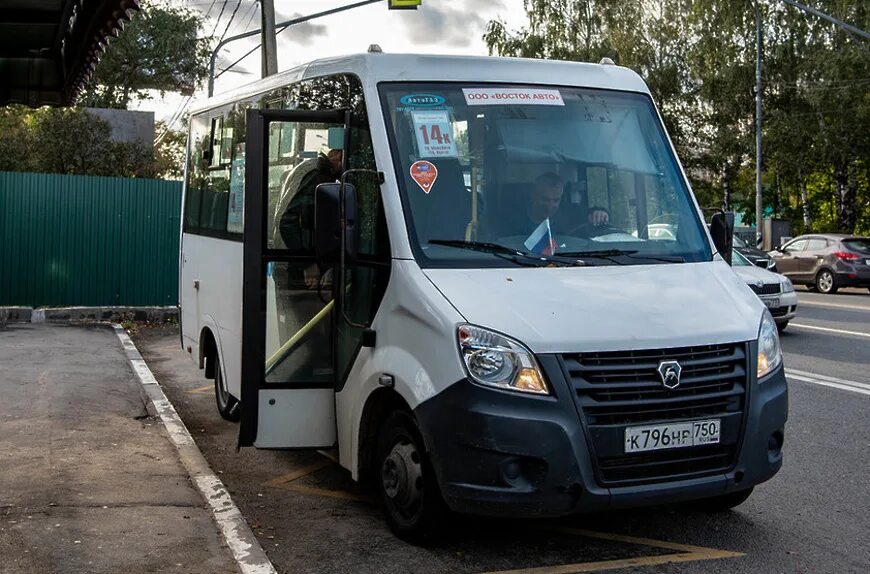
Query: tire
pixel 781 326
pixel 725 502
pixel 826 282
pixel 405 481
pixel 227 405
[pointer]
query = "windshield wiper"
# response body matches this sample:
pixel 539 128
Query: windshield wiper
pixel 508 253
pixel 597 253
pixel 609 254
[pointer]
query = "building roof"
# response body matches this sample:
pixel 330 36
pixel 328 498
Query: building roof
pixel 49 48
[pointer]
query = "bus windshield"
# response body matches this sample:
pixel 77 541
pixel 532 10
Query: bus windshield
pixel 496 175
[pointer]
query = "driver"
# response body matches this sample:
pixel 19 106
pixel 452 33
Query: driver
pixel 544 202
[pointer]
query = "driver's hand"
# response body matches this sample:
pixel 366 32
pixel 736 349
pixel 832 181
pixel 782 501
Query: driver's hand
pixel 598 217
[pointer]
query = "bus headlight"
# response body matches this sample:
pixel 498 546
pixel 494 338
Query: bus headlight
pixel 497 361
pixel 769 351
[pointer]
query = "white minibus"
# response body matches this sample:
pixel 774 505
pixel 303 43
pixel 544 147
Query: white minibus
pixel 484 282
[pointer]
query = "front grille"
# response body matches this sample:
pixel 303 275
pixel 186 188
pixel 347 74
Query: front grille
pixel 685 463
pixel 780 311
pixel 766 288
pixel 619 389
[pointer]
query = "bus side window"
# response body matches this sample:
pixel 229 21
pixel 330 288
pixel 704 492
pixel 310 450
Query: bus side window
pixel 214 200
pixel 235 143
pixel 199 154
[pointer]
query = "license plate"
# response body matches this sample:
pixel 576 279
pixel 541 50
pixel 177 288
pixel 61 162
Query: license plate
pixel 673 435
pixel 772 303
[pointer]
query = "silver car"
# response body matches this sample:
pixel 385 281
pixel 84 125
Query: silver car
pixel 775 290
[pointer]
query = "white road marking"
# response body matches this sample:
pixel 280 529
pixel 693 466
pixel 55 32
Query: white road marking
pixel 829 330
pixel 240 539
pixel 833 305
pixel 828 378
pixel 826 381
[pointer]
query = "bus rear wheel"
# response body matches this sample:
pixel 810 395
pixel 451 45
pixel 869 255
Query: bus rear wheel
pixel 226 404
pixel 406 483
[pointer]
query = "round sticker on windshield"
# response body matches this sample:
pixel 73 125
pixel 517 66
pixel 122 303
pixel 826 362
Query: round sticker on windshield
pixel 424 174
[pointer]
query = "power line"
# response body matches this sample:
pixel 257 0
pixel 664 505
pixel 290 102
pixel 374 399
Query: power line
pixel 228 68
pixel 218 21
pixel 835 21
pixel 229 23
pixel 179 111
pixel 251 13
pixel 210 6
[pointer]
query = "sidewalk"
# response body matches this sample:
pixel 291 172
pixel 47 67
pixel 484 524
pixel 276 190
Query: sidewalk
pixel 88 482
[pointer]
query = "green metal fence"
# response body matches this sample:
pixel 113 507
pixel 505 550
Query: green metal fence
pixel 68 240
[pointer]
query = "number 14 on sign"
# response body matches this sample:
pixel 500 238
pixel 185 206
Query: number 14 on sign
pixel 434 134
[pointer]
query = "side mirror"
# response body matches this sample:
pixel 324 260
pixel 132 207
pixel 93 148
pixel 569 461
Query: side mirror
pixel 327 222
pixel 722 231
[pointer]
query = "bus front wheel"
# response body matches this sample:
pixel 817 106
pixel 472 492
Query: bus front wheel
pixel 406 482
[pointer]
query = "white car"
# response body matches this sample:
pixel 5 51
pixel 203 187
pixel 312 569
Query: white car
pixel 775 290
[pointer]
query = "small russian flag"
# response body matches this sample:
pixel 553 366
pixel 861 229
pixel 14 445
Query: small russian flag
pixel 541 241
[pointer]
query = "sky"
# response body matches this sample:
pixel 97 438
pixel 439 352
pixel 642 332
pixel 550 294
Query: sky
pixel 436 27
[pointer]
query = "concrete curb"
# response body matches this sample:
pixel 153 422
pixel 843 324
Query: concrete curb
pixel 86 314
pixel 240 539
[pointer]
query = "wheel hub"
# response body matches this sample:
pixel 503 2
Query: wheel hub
pixel 825 281
pixel 402 475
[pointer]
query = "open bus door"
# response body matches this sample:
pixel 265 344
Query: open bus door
pixel 288 322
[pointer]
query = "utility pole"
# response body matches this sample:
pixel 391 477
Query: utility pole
pixel 281 26
pixel 268 41
pixel 759 204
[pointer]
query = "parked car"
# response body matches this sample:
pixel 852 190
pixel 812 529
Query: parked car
pixel 774 290
pixel 825 262
pixel 754 255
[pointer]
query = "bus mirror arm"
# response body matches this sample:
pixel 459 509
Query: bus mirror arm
pixel 722 232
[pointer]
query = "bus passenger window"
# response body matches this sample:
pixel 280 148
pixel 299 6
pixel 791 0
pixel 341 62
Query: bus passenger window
pixel 293 177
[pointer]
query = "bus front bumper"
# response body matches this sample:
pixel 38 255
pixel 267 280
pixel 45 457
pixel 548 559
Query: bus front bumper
pixel 505 454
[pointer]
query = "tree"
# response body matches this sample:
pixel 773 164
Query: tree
pixel 698 59
pixel 158 50
pixel 16 140
pixel 69 141
pixel 169 152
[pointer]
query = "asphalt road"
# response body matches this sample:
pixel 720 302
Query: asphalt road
pixel 813 517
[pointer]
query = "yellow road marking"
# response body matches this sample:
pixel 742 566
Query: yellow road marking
pixel 633 540
pixel 619 563
pixel 287 482
pixel 297 474
pixel 684 552
pixel 687 553
pixel 170 348
pixel 341 494
pixel 202 390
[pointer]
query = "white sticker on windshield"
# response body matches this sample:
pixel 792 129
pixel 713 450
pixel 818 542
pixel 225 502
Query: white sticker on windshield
pixel 434 134
pixel 512 96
